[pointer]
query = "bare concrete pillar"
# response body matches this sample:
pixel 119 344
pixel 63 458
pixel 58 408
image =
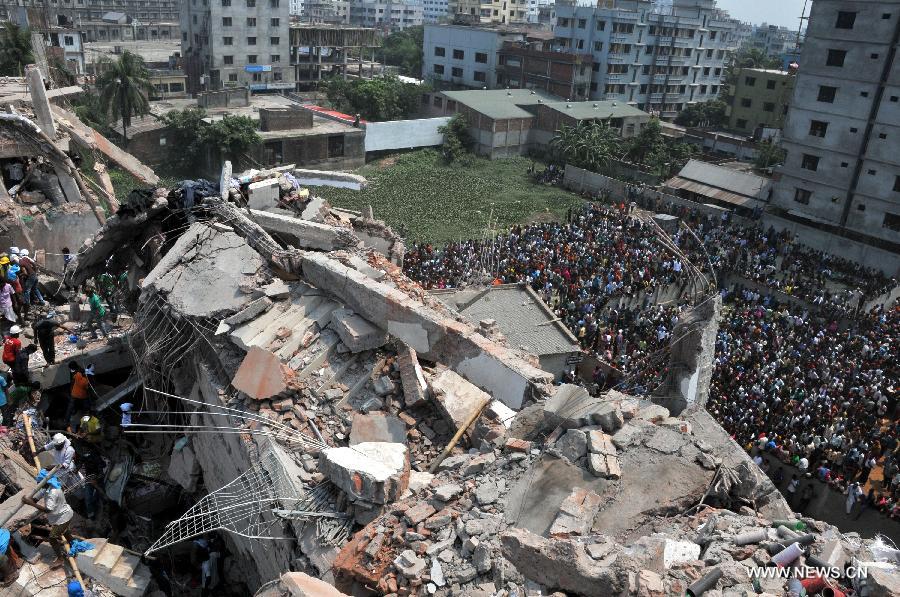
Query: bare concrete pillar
pixel 225 180
pixel 69 186
pixel 39 101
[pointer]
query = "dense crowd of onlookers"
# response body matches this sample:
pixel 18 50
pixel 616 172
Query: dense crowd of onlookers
pixel 812 381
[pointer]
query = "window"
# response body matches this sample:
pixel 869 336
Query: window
pixel 826 94
pixel 228 59
pixel 891 221
pixel 598 46
pixel 601 25
pixel 439 51
pixel 706 71
pixel 845 19
pixel 874 56
pixel 226 21
pixel 742 123
pixel 69 40
pixel 712 35
pixel 749 81
pixel 481 57
pixel 872 172
pixel 456 72
pixel 251 41
pixel 853 129
pixel 582 23
pixel 580 44
pixel 227 41
pixel 818 128
pixel 336 146
pixel 709 53
pixel 232 77
pixel 844 164
pixel 195 19
pixel 768 107
pixel 257 77
pixel 273 3
pixel 183 36
pixel 717 72
pixel 251 59
pixel 275 58
pixel 274 22
pixel 251 22
pixel 882 135
pixel 438 69
pixel 274 41
pixel 251 3
pixel 886 16
pixel 861 207
pixel 226 3
pixel 895 98
pixel 480 75
pixel 810 162
pixel 863 94
pixel 746 102
pixel 770 84
pixel 835 57
pixel 458 55
pixel 802 196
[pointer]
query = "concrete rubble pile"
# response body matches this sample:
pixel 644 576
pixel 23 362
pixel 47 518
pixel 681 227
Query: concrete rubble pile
pixel 467 470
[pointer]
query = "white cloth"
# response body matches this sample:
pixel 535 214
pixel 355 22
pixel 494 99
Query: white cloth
pixel 60 510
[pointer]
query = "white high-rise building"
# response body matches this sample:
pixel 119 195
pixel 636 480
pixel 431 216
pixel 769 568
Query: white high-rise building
pixel 659 62
pixel 842 170
pixel 296 7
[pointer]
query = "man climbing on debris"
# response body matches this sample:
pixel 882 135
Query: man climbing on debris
pixel 43 332
pixel 30 290
pixel 59 512
pixel 79 396
pixel 11 346
pixel 98 313
pixel 60 448
pixel 20 372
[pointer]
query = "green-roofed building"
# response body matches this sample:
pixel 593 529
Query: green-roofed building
pixel 507 122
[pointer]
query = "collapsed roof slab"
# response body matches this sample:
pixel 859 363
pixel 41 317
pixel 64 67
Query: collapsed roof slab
pixel 490 366
pixel 304 233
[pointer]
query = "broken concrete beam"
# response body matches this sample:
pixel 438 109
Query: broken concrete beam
pixel 576 513
pixel 184 468
pixel 315 210
pixel 571 407
pixel 39 101
pixel 376 472
pixel 411 376
pixel 490 366
pixel 260 375
pixel 356 333
pixel 456 398
pixel 562 564
pixel 328 178
pixel 249 312
pixel 263 195
pixel 225 180
pixel 305 234
pixel 377 427
pixel 494 424
pixel 298 584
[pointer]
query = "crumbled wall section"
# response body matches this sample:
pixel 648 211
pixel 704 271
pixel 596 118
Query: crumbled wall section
pixel 693 353
pixel 494 368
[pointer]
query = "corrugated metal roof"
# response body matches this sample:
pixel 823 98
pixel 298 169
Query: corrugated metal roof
pixel 738 183
pixel 525 320
pixel 710 192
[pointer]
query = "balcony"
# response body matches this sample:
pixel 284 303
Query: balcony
pixel 616 78
pixel 620 38
pixel 616 59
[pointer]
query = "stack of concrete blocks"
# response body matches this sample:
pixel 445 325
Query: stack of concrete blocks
pixel 115 568
pixel 264 194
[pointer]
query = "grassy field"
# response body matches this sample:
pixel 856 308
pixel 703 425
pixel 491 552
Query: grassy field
pixel 428 200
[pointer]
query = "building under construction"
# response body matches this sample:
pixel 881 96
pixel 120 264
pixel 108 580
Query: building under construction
pixel 324 51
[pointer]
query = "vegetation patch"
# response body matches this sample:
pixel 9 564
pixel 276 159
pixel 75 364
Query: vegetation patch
pixel 430 200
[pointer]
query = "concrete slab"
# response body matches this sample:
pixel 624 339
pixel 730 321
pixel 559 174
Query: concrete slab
pixel 357 333
pixel 263 195
pixel 376 472
pixel 377 427
pixel 456 398
pixel 260 375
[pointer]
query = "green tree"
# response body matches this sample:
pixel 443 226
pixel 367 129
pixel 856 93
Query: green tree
pixel 457 140
pixel 657 153
pixel 90 111
pixel 769 155
pixel 15 50
pixel 703 114
pixel 404 49
pixel 231 137
pixel 186 131
pixel 124 89
pixel 589 145
pixel 378 99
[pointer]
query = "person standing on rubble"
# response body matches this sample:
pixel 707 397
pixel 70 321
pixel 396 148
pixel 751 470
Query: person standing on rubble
pixel 60 448
pixel 79 396
pixel 12 346
pixel 43 332
pixel 98 313
pixel 6 300
pixel 59 512
pixel 30 287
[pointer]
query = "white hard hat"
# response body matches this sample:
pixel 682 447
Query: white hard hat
pixel 14 250
pixel 59 438
pixel 85 418
pixel 24 253
pixel 15 330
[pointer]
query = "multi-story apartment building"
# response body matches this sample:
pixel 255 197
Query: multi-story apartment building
pixel 103 20
pixel 658 62
pixel 772 39
pixel 231 43
pixel 295 8
pixel 436 10
pixel 391 15
pixel 533 11
pixel 531 65
pixel 334 12
pixel 842 132
pixel 463 55
pixel 490 12
pixel 759 99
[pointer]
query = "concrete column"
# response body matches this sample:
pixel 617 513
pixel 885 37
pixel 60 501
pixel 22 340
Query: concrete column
pixel 39 100
pixel 69 186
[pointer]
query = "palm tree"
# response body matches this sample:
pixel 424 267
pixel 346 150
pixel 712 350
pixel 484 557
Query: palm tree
pixel 589 145
pixel 15 50
pixel 124 89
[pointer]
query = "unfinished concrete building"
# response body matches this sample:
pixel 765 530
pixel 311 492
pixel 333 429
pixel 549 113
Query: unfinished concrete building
pixel 323 51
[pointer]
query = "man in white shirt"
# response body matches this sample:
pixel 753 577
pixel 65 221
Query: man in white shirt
pixel 59 513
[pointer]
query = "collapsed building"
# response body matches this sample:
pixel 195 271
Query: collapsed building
pixel 350 434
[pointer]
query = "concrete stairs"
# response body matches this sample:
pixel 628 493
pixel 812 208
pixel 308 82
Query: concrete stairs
pixel 115 568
